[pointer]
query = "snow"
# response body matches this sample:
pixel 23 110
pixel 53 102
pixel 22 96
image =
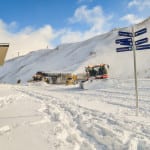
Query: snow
pixel 74 57
pixel 43 116
pixel 40 116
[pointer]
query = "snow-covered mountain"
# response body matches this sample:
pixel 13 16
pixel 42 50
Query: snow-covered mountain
pixel 74 57
pixel 40 116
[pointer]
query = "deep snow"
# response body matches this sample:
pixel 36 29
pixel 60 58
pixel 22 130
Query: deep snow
pixel 40 116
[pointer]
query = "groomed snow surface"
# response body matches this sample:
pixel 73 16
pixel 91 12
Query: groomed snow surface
pixel 40 116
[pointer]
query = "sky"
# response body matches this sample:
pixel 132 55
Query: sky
pixel 29 25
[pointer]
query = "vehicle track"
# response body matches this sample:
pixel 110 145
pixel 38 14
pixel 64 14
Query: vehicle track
pixel 94 128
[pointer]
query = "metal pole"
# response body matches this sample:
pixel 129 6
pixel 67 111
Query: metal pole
pixel 135 72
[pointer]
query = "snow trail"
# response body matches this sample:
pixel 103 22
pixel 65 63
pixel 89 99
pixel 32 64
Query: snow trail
pixel 81 117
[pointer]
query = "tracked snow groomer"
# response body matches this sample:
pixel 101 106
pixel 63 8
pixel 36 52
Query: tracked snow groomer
pixel 95 72
pixel 98 71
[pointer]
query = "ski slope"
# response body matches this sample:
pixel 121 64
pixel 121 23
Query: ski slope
pixel 41 116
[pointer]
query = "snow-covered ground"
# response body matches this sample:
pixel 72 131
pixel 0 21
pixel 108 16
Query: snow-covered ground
pixel 58 117
pixel 40 116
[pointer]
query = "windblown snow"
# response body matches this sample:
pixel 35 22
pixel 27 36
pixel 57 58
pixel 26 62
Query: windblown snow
pixel 40 116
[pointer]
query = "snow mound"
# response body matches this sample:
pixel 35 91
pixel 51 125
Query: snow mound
pixel 99 84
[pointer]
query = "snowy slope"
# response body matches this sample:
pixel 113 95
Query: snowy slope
pixel 40 116
pixel 75 56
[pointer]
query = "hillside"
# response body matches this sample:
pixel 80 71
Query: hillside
pixel 74 57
